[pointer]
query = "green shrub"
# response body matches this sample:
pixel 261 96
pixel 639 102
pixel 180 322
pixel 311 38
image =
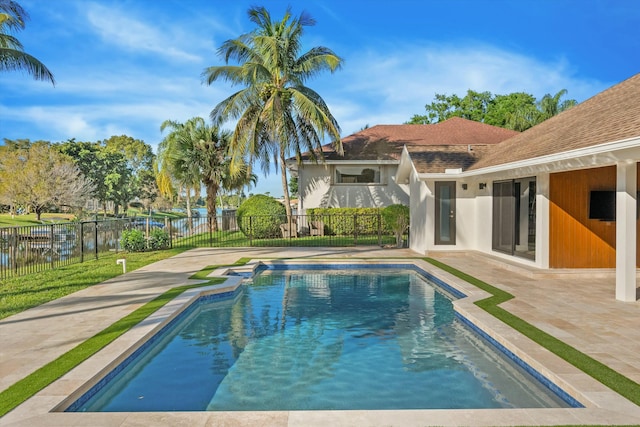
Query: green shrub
pixel 158 239
pixel 260 216
pixel 133 241
pixel 396 219
pixel 347 221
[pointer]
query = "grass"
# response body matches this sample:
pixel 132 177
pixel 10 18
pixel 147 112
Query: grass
pixel 30 219
pixel 607 376
pixel 41 378
pixel 21 293
pixel 227 239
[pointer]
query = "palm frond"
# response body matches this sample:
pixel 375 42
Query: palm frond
pixel 12 60
pixel 15 15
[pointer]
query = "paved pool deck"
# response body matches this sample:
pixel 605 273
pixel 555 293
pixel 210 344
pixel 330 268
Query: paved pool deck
pixel 577 307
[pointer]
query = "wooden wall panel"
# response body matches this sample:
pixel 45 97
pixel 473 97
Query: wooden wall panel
pixel 575 240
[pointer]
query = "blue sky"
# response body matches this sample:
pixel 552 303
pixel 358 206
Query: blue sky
pixel 125 66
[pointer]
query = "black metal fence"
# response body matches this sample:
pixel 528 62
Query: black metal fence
pixel 30 249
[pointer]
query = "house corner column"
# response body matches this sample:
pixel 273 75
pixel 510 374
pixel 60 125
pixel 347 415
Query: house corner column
pixel 626 174
pixel 542 220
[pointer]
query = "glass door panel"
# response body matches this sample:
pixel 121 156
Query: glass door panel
pixel 445 215
pixel 514 217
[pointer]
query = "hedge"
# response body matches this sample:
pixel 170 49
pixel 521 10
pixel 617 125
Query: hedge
pixel 347 221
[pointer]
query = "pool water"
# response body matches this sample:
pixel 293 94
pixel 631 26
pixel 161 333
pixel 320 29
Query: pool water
pixel 309 340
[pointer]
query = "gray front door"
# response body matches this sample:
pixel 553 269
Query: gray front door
pixel 445 233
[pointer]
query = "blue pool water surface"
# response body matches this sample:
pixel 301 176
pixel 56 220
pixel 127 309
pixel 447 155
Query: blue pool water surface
pixel 316 340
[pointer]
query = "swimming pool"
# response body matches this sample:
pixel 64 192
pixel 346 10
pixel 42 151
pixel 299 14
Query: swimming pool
pixel 294 340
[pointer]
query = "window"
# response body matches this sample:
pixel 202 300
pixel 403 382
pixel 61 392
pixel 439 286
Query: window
pixel 357 175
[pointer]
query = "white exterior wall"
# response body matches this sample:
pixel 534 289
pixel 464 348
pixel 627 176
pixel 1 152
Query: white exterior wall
pixel 316 190
pixel 474 217
pixel 466 218
pixel 419 235
pixel 484 210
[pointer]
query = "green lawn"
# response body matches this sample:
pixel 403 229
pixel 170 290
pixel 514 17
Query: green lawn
pixel 21 293
pixel 6 220
pixel 227 239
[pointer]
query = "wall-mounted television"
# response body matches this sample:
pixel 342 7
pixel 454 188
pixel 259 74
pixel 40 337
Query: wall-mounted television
pixel 602 205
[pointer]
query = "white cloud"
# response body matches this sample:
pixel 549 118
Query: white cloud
pixel 380 86
pixel 389 85
pixel 114 26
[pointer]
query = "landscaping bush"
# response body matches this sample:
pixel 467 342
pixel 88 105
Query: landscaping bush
pixel 347 221
pixel 158 239
pixel 133 241
pixel 260 216
pixel 396 218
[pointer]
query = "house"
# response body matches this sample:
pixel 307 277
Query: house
pixel 561 195
pixel 364 175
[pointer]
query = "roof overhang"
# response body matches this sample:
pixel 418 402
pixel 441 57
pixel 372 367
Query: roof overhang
pixel 606 154
pixel 293 165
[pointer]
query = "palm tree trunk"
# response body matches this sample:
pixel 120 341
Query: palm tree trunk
pixel 212 194
pixel 189 215
pixel 285 184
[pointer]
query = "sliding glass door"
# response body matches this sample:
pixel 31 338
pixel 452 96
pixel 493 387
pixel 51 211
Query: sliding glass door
pixel 514 217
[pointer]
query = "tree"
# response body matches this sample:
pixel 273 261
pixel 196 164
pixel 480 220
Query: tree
pixel 107 170
pixel 473 106
pixel 277 115
pixel 139 158
pixel 293 185
pixel 397 217
pixel 12 54
pixel 518 111
pixel 550 106
pixel 40 178
pixel 174 161
pixel 117 178
pixel 514 111
pixel 205 148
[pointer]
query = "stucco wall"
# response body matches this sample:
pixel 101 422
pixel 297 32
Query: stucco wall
pixel 316 190
pixel 418 215
pixel 474 213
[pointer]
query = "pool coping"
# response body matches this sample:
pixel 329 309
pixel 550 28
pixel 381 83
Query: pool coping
pixel 602 405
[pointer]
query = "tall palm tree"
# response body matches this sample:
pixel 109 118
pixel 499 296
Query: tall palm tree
pixel 202 150
pixel 173 156
pixel 277 114
pixel 12 54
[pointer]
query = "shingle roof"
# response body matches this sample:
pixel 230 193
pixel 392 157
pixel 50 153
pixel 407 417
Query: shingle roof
pixel 385 142
pixel 438 158
pixel 610 116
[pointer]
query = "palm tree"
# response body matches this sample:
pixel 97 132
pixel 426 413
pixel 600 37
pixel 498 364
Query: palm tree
pixel 550 106
pixel 173 156
pixel 527 115
pixel 202 150
pixel 12 54
pixel 277 114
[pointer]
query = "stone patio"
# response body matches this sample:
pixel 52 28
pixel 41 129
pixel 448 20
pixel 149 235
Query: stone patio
pixel 577 307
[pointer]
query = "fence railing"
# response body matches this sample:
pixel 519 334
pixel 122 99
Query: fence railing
pixel 30 249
